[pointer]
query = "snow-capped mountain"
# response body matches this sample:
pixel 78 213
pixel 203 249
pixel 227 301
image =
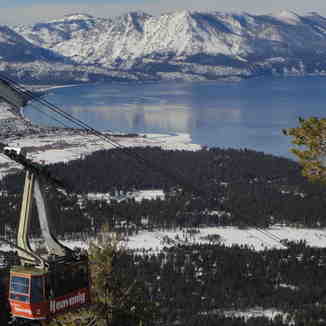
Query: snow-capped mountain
pixel 30 62
pixel 14 47
pixel 48 34
pixel 188 44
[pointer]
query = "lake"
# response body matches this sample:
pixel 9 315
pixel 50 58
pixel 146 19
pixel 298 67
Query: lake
pixel 248 114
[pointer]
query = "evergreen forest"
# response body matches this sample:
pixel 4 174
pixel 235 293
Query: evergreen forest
pixel 208 187
pixel 198 284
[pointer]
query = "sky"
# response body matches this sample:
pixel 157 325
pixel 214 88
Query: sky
pixel 14 12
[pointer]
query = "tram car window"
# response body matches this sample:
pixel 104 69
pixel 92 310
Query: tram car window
pixel 19 288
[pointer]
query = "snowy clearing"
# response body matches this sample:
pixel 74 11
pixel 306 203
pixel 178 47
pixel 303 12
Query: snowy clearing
pixel 155 241
pixel 229 236
pixel 254 313
pixel 138 196
pixel 68 146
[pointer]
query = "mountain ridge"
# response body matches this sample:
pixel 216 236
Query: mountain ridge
pixel 186 44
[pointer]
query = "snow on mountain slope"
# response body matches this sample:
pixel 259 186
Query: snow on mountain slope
pixel 287 17
pixel 134 35
pixel 185 33
pixel 13 48
pixel 30 63
pixel 48 34
pixel 137 34
pixel 185 43
pixel 108 41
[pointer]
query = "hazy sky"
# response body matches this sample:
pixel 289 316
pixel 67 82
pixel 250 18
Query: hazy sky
pixel 29 11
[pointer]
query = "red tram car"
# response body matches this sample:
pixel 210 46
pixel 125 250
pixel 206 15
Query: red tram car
pixel 39 294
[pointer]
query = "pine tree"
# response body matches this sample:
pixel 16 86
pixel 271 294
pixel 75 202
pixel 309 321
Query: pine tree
pixel 310 136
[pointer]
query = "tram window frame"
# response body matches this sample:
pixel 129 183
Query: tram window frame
pixel 15 293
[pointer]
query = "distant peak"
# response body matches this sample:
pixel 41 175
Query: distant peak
pixel 138 13
pixel 287 16
pixel 135 15
pixel 185 12
pixel 78 16
pixel 181 12
pixel 75 16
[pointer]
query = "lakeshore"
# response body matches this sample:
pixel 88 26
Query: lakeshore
pixel 48 145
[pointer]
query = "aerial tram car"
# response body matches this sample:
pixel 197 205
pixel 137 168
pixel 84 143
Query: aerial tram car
pixel 43 285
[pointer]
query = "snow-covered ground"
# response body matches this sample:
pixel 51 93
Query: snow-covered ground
pixel 66 146
pixel 254 313
pixel 229 236
pixel 5 113
pixel 138 196
pixel 156 240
